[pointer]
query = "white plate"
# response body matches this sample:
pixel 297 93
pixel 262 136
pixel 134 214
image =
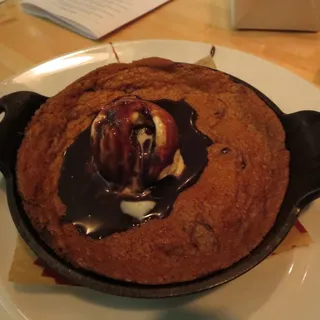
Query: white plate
pixel 286 286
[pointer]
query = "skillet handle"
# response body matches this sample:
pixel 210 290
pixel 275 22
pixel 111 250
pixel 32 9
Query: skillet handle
pixel 18 108
pixel 303 141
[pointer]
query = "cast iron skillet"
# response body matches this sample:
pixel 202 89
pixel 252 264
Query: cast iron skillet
pixel 302 140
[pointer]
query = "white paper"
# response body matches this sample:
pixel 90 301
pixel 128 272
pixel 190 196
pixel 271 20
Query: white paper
pixel 90 18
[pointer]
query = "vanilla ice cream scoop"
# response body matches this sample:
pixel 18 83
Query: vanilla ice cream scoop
pixel 135 143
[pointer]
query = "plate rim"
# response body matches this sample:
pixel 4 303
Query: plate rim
pixel 9 80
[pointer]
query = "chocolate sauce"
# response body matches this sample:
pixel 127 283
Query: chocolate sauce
pixel 95 210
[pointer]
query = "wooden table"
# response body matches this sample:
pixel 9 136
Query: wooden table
pixel 26 40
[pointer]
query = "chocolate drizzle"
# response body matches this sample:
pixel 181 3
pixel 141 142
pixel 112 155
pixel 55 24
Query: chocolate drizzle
pixel 118 134
pixel 92 206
